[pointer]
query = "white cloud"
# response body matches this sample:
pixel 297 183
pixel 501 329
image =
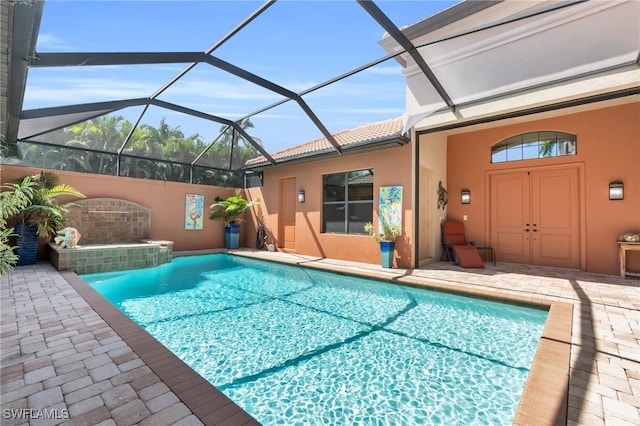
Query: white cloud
pixel 220 90
pixel 66 90
pixel 48 42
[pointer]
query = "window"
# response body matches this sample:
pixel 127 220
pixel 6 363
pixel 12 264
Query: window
pixel 528 146
pixel 347 202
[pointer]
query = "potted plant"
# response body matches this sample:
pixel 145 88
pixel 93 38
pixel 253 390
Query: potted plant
pixel 387 240
pixel 229 210
pixel 10 204
pixel 41 214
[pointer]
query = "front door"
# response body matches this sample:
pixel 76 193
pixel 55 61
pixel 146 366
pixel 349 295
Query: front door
pixel 287 214
pixel 535 217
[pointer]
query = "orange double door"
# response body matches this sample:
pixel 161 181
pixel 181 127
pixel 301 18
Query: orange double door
pixel 535 217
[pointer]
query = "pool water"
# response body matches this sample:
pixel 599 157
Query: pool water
pixel 292 345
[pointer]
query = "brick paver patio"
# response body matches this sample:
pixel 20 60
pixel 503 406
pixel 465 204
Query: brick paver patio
pixel 62 363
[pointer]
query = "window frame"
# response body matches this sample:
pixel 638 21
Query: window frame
pixel 346 202
pixel 522 146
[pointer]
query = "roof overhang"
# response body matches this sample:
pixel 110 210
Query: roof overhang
pixel 632 94
pixel 512 57
pixel 354 148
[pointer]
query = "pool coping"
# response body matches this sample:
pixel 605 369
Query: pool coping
pixel 544 399
pixel 204 400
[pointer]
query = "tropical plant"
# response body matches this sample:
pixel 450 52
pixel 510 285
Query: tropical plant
pixel 42 211
pixel 163 152
pixel 11 203
pixel 389 231
pixel 229 209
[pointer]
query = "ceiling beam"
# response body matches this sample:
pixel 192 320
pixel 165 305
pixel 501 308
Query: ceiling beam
pixel 382 19
pixel 269 85
pixel 36 122
pixel 111 106
pixel 219 43
pixel 79 108
pixel 217 119
pixel 114 58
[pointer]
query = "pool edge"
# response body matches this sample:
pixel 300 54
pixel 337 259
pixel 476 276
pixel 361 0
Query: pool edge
pixel 543 401
pixel 204 400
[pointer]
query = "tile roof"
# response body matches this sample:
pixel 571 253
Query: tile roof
pixel 387 130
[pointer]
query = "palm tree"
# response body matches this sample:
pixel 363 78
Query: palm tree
pixel 107 134
pixel 231 151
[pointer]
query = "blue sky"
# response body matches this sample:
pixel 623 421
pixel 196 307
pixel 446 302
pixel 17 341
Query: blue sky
pixel 296 44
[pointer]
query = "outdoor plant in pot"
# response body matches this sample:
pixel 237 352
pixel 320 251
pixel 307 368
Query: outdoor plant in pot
pixel 386 239
pixel 10 205
pixel 41 215
pixel 229 211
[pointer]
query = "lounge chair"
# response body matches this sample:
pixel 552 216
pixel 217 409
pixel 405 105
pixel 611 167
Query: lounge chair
pixel 456 248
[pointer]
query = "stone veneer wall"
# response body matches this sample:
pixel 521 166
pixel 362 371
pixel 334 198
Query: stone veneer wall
pixel 114 237
pixel 111 257
pixel 109 221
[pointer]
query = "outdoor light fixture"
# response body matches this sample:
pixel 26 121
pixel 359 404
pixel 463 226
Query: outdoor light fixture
pixel 301 196
pixel 465 196
pixel 616 191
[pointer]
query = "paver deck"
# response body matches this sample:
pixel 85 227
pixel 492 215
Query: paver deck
pixel 69 357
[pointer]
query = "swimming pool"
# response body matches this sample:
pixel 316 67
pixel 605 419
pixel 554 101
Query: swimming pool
pixel 295 345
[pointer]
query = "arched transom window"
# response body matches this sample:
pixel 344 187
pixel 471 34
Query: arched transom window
pixel 532 145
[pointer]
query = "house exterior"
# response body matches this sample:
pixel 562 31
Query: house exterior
pixel 520 103
pixel 533 108
pixel 341 194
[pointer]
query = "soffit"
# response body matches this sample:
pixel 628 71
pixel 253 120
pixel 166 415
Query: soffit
pixel 532 115
pixel 520 55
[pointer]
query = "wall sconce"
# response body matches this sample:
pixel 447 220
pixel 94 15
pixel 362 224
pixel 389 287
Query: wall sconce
pixel 465 196
pixel 616 191
pixel 301 196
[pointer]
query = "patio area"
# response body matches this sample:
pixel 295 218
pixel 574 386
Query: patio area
pixel 69 358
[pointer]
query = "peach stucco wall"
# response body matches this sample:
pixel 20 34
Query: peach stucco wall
pixel 166 200
pixel 608 150
pixel 391 167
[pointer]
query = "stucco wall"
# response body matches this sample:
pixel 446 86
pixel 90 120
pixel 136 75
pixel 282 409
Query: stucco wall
pixel 165 200
pixel 391 167
pixel 608 150
pixel 433 169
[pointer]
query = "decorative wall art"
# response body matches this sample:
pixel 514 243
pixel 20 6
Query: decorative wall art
pixel 443 197
pixel 194 212
pixel 390 206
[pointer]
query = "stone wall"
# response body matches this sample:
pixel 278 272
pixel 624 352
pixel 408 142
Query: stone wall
pixel 110 257
pixel 115 236
pixel 109 221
